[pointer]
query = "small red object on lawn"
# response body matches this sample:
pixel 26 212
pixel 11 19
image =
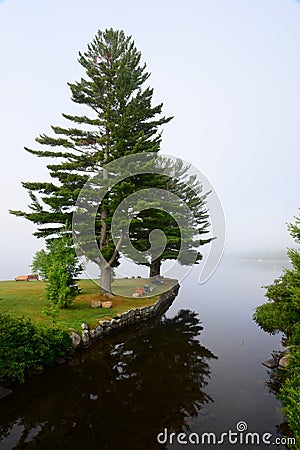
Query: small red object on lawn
pixel 26 277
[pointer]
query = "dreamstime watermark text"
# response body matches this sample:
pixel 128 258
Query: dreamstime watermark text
pixel 239 436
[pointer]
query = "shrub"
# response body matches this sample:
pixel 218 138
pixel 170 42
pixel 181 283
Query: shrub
pixel 24 346
pixel 290 394
pixel 60 267
pixel 282 313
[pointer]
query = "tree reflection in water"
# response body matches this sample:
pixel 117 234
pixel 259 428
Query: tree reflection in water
pixel 116 395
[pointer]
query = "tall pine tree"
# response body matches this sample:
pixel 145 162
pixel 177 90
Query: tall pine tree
pixel 121 121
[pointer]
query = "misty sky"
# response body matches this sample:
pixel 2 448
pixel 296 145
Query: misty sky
pixel 227 70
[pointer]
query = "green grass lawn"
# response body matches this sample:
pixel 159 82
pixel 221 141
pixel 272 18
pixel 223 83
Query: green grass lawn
pixel 28 299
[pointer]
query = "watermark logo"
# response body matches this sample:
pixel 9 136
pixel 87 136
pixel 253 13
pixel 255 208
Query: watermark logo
pixel 145 197
pixel 241 426
pixel 239 436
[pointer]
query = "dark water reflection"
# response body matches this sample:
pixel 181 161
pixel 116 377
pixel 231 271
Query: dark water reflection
pixel 117 395
pixel 179 373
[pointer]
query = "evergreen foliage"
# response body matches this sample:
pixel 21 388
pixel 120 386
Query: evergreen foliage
pixel 181 242
pixel 282 314
pixel 121 121
pixel 118 119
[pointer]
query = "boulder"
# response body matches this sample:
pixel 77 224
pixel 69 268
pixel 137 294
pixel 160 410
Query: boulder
pixel 98 332
pixel 107 304
pixel 107 330
pixel 84 326
pixel 76 340
pixel 96 304
pixel 283 362
pixel 114 323
pixel 86 340
pixel 270 363
pixel 93 335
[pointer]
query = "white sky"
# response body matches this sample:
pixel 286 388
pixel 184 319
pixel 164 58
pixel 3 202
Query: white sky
pixel 228 70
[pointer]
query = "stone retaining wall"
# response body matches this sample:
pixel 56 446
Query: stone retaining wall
pixel 132 317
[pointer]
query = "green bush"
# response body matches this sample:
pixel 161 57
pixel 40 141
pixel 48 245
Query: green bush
pixel 25 346
pixel 60 266
pixel 282 314
pixel 290 394
pixel 295 337
pixel 275 317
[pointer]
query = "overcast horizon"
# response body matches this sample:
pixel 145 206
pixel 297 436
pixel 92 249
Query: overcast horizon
pixel 227 71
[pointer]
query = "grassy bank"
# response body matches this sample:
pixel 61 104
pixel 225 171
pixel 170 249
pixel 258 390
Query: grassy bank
pixel 28 300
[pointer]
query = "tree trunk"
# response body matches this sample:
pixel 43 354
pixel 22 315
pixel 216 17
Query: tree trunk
pixel 155 268
pixel 105 278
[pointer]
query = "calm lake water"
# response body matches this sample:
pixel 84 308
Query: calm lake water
pixel 196 370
